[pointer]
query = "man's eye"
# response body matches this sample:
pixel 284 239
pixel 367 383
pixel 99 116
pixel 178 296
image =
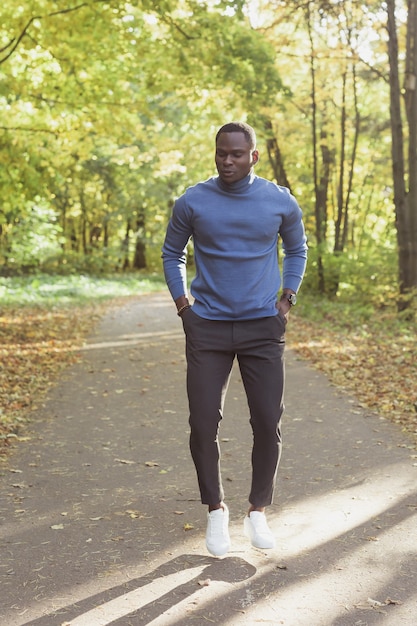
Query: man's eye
pixel 234 155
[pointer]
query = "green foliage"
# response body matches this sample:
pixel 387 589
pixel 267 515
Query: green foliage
pixel 360 315
pixel 36 237
pixel 101 105
pixel 108 111
pixel 369 276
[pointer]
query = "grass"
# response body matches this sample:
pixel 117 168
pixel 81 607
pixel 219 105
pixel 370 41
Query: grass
pixel 43 290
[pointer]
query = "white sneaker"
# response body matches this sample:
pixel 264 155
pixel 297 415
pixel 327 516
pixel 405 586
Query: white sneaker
pixel 217 535
pixel 257 529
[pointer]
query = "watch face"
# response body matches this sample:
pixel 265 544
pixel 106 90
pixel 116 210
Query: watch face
pixel 292 298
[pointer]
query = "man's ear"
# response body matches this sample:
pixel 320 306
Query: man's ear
pixel 255 157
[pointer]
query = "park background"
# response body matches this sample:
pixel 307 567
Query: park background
pixel 108 111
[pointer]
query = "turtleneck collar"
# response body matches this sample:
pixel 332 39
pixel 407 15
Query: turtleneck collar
pixel 240 186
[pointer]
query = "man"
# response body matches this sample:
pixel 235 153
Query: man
pixel 234 220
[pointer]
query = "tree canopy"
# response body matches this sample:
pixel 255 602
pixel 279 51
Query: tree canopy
pixel 108 110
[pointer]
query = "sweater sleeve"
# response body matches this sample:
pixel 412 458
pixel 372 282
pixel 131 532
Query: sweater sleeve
pixel 294 243
pixel 174 250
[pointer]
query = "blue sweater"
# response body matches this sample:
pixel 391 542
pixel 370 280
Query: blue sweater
pixel 235 229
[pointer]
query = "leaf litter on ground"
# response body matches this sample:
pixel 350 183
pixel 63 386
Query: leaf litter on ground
pixel 35 346
pixel 375 361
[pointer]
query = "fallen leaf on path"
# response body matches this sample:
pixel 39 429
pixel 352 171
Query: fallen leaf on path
pixel 372 604
pixel 390 601
pixel 134 514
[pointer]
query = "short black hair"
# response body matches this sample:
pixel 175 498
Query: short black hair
pixel 239 127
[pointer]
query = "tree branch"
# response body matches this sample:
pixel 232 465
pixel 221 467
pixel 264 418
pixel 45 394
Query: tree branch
pixel 29 130
pixel 168 20
pixel 13 43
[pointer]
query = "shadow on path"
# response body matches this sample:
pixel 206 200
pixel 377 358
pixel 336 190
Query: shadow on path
pixel 132 602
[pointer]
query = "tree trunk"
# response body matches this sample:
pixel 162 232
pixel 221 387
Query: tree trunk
pixel 83 224
pixel 410 91
pixel 341 215
pixel 319 208
pixel 405 203
pixel 352 159
pixel 125 247
pixel 139 261
pixel 344 189
pixel 275 157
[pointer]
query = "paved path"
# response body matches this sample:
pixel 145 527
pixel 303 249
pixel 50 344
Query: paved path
pixel 100 518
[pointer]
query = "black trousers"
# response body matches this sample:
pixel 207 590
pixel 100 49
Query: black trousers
pixel 211 347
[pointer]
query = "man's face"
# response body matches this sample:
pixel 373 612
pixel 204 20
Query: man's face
pixel 234 157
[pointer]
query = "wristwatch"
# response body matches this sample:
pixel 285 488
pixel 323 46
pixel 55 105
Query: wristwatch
pixel 291 297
